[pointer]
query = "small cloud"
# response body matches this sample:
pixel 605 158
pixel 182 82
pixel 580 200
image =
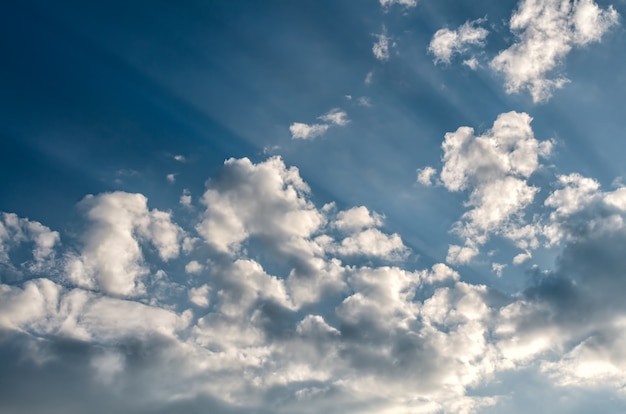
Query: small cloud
pixel 336 117
pixel 185 198
pixel 406 3
pixel 193 267
pixel 200 296
pixel 364 101
pixel 498 268
pixel 446 43
pixel 300 130
pixel 171 178
pixel 425 176
pixel 471 63
pixel 381 46
pixel 369 77
pixel 521 258
pixel 460 254
pixel 180 158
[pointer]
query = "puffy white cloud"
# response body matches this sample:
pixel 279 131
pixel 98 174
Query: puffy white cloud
pixel 425 175
pixel 284 324
pixel 461 254
pixel 15 231
pixel 265 200
pixel 111 258
pixel 446 43
pixel 372 242
pixel 546 32
pixel 357 218
pixel 335 117
pixel 405 3
pixel 200 295
pixel 494 168
pixel 305 131
pixel 193 267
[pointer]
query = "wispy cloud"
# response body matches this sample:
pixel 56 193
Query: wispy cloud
pixel 335 117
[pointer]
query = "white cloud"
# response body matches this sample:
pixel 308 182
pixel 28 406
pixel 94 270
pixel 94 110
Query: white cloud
pixel 185 198
pixel 265 199
pixel 381 46
pixel 494 168
pixel 498 268
pixel 200 296
pixel 372 242
pixel 357 218
pixel 440 273
pixel 521 258
pixel 425 175
pixel 369 78
pixel 461 254
pixel 322 335
pixel 335 117
pixel 180 158
pixel 171 178
pixel 546 31
pixel 111 258
pixel 446 43
pixel 15 231
pixel 305 131
pixel 193 267
pixel 405 3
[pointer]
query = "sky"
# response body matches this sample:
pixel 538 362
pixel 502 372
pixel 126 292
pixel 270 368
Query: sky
pixel 346 206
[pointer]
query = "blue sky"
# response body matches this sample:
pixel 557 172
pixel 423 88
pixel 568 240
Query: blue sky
pixel 382 206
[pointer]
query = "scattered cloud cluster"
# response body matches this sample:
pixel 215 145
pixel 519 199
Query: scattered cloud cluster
pixel 320 330
pixel 446 43
pixel 545 32
pixel 335 117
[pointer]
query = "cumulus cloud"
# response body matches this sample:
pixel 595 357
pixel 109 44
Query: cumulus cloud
pixel 111 257
pixel 546 31
pixel 276 321
pixel 446 43
pixel 425 175
pixel 357 218
pixel 335 117
pixel 305 131
pixel 494 167
pixel 41 241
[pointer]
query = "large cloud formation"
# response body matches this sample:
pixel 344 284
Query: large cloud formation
pixel 289 307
